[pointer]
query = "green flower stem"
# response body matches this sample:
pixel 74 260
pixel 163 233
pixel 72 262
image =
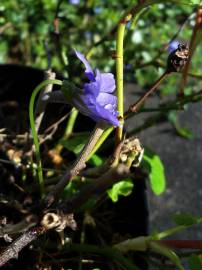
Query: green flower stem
pixel 69 129
pixel 174 230
pixel 119 72
pixel 100 141
pixel 167 252
pixel 40 105
pixel 71 122
pixel 33 128
pixel 144 243
pixel 119 67
pixel 107 252
pixel 170 231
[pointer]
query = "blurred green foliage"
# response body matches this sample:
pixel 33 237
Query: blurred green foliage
pixel 28 36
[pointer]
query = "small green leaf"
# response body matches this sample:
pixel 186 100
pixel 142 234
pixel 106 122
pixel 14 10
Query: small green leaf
pixel 122 188
pixel 154 165
pixel 194 262
pixel 71 189
pixel 172 117
pixel 76 143
pixel 96 160
pixel 185 219
pixel 183 132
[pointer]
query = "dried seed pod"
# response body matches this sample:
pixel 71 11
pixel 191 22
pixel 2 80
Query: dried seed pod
pixel 178 58
pixel 131 152
pixel 58 221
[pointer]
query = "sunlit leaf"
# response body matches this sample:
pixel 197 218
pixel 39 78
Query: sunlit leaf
pixel 155 168
pixel 123 188
pixel 96 160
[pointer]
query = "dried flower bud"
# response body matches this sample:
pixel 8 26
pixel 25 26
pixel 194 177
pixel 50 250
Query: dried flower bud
pixel 178 58
pixel 58 221
pixel 131 152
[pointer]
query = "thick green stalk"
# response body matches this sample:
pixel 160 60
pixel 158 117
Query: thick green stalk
pixel 119 66
pixel 33 128
pixel 119 73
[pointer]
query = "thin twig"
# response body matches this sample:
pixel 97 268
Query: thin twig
pixel 52 129
pixel 25 239
pixel 25 224
pixel 5 26
pixel 138 104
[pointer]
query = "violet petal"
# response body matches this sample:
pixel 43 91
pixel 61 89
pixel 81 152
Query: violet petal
pixel 88 72
pixel 107 83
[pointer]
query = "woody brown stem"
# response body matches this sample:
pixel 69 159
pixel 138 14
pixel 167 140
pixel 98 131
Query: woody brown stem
pixel 78 165
pixel 138 104
pixel 192 46
pixel 13 250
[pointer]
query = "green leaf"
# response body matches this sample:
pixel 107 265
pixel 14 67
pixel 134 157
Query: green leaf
pixel 122 188
pixel 76 143
pixel 194 262
pixel 185 219
pixel 183 132
pixel 154 165
pixel 96 160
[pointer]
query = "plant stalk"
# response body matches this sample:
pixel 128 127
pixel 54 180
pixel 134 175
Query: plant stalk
pixel 119 74
pixel 34 132
pixel 77 166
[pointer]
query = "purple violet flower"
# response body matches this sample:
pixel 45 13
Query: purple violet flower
pixel 173 46
pixel 74 2
pixel 95 99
